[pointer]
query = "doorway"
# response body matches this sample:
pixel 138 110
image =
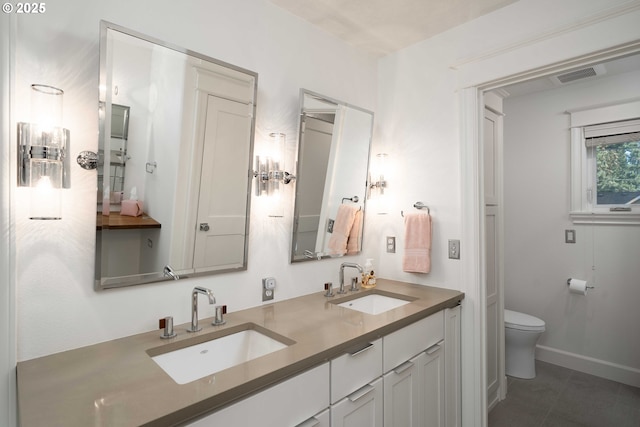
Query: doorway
pixel 471 101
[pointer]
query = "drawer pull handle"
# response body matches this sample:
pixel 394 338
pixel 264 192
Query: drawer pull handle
pixel 400 369
pixel 362 350
pixel 361 392
pixel 434 348
pixel 311 422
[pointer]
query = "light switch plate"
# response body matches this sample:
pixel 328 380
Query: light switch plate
pixel 569 236
pixel 454 249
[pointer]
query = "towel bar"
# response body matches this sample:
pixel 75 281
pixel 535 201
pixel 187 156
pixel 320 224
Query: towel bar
pixel 418 205
pixel 354 199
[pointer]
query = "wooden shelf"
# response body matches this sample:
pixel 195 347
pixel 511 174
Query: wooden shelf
pixel 115 221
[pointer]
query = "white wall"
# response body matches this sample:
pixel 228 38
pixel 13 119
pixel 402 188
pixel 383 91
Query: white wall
pixel 55 260
pixel 537 260
pixel 428 115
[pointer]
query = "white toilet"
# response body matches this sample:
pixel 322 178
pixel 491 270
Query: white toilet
pixel 522 332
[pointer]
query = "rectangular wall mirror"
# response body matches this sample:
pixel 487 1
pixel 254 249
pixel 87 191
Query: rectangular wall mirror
pixel 333 157
pixel 174 169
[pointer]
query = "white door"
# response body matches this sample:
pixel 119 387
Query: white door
pixel 432 404
pixel 492 149
pixel 362 408
pixel 403 394
pixel 221 222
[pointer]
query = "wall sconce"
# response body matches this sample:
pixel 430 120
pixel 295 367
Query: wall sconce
pixel 270 167
pixel 43 153
pixel 378 171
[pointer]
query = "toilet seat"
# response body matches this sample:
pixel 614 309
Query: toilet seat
pixel 522 321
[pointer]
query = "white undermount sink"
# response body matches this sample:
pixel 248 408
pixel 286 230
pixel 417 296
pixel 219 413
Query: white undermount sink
pixel 218 352
pixel 375 303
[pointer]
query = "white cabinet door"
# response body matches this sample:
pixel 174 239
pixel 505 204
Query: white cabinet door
pixel 286 404
pixel 432 404
pixel 453 405
pixel 362 408
pixel 403 394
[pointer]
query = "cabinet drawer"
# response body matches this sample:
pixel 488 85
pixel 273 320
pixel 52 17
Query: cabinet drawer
pixel 285 404
pixel 352 370
pixel 402 345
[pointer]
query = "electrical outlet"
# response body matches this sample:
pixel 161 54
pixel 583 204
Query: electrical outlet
pixel 454 249
pixel 391 244
pixel 330 223
pixel 268 287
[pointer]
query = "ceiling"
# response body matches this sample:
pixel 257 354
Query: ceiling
pixel 381 27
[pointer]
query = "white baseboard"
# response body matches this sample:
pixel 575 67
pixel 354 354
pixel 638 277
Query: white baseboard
pixel 589 365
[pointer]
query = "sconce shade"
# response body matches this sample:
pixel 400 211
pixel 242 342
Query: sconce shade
pixel 46 105
pixel 43 154
pixel 377 180
pixel 269 169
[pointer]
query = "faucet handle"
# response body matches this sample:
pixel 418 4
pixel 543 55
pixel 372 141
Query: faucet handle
pixel 167 324
pixel 218 319
pixel 329 288
pixel 354 284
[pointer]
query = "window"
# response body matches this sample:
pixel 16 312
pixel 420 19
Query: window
pixel 605 165
pixel 613 157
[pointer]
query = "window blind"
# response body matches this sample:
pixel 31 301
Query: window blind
pixel 612 133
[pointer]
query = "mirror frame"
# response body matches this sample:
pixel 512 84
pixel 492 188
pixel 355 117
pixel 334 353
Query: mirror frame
pixel 101 282
pixel 296 210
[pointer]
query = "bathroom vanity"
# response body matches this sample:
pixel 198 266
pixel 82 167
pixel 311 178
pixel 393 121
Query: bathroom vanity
pixel 336 360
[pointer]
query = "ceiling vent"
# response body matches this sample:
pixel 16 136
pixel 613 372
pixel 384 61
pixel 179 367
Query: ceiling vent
pixel 581 74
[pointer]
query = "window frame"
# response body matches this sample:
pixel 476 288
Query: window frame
pixel 584 208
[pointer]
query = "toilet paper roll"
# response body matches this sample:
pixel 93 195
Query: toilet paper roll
pixel 577 286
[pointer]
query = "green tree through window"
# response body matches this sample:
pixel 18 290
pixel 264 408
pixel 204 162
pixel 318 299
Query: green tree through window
pixel 618 173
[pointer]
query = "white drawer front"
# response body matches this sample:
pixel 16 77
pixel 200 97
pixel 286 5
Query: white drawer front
pixel 285 404
pixel 402 345
pixel 351 371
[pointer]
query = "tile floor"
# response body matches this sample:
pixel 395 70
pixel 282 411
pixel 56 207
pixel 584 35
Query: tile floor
pixel 561 397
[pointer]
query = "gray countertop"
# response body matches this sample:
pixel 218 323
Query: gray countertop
pixel 116 383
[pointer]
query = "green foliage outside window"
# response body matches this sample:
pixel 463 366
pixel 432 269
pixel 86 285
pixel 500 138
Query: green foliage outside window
pixel 618 172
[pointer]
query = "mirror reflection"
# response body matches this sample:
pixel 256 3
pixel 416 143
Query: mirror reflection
pixel 175 149
pixel 331 186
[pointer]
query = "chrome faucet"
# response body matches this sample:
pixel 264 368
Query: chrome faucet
pixel 354 287
pixel 194 306
pixel 168 271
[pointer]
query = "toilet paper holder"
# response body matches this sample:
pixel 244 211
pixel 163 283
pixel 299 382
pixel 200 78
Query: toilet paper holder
pixel 569 283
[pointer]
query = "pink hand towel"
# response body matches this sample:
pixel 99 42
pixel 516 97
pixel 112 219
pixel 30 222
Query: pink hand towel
pixel 341 229
pixel 417 243
pixel 353 242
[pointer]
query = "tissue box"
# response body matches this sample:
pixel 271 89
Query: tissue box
pixel 131 208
